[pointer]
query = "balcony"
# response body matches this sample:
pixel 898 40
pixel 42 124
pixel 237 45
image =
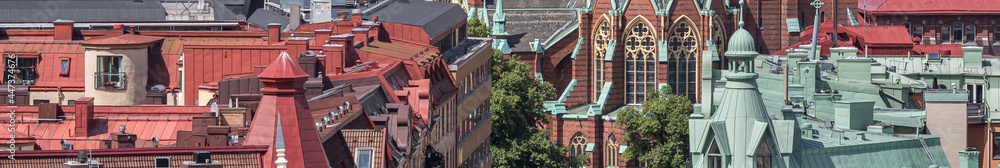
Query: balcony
pixel 108 80
pixel 975 114
pixel 20 75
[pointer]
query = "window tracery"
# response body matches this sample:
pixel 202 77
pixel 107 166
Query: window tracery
pixel 611 152
pixel 602 38
pixel 682 61
pixel 578 144
pixel 640 60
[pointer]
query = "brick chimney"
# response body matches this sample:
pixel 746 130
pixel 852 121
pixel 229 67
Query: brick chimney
pixel 338 52
pixel 322 37
pixel 84 115
pixel 119 29
pixel 360 35
pixel 63 29
pixel 273 33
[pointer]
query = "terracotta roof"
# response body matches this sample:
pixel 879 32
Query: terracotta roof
pixel 283 67
pixel 367 138
pixel 930 7
pixel 124 39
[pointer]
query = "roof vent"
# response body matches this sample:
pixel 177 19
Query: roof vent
pixel 347 105
pixel 81 156
pixel 162 162
pixel 66 145
pixel 234 139
pixel 121 128
pixel 156 142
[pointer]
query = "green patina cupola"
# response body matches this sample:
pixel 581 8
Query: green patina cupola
pixel 741 50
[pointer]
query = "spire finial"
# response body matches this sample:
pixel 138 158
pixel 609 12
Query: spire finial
pixel 741 14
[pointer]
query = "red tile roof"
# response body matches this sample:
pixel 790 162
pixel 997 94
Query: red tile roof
pixel 931 7
pixel 124 39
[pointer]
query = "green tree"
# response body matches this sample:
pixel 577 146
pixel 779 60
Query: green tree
pixel 658 134
pixel 477 28
pixel 517 111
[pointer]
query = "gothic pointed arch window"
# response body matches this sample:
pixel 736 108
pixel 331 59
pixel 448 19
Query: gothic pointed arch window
pixel 640 60
pixel 602 38
pixel 719 37
pixel 682 63
pixel 763 156
pixel 611 152
pixel 714 156
pixel 578 144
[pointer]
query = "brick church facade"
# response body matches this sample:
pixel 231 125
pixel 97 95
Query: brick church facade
pixel 601 55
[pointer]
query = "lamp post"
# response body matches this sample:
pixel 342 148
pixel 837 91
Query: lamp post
pixel 812 51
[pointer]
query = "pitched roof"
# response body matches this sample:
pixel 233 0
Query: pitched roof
pixel 524 26
pixel 262 17
pixel 124 39
pixel 513 4
pixel 434 17
pixel 929 7
pixel 80 10
pixel 229 156
pixel 882 34
pixel 283 67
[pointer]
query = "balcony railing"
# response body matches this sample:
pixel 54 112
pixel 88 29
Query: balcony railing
pixel 107 80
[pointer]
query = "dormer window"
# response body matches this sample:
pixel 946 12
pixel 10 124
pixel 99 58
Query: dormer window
pixel 20 71
pixel 109 73
pixel 363 157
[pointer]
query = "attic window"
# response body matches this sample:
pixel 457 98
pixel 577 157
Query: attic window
pixel 64 66
pixel 763 154
pixel 714 156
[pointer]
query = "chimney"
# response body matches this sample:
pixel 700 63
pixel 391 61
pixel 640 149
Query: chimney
pixel 119 29
pixel 48 111
pixel 969 158
pixel 972 56
pixel 294 18
pixel 360 35
pixel 134 29
pixel 84 115
pixel 63 29
pixel 322 37
pixel 124 139
pixel 273 33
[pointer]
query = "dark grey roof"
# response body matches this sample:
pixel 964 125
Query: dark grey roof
pixel 524 26
pixel 434 17
pixel 262 17
pixel 80 10
pixel 518 4
pixel 222 12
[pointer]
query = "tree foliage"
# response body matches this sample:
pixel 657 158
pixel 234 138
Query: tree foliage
pixel 517 111
pixel 658 133
pixel 477 28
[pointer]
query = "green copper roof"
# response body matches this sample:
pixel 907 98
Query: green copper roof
pixel 741 43
pixel 876 150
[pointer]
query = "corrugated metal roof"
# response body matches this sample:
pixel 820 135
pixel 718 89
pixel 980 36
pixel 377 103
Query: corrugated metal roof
pixel 77 10
pixel 175 46
pixel 12 46
pixel 881 34
pixel 875 151
pixel 434 17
